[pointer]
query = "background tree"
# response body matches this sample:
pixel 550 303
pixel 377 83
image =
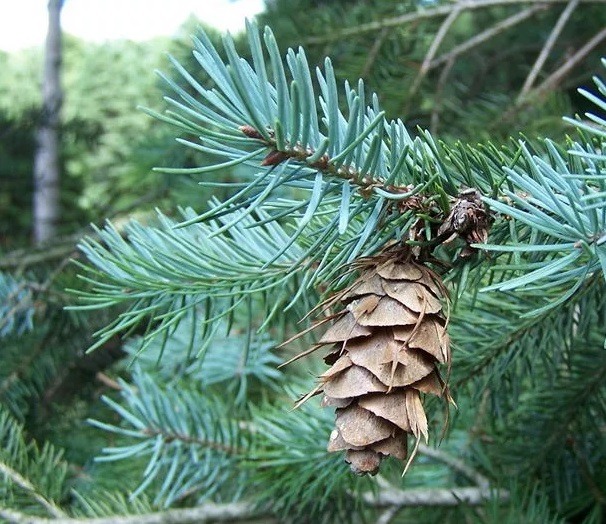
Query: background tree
pixel 46 164
pixel 196 421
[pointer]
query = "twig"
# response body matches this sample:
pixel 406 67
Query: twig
pixel 107 381
pixel 582 461
pixel 374 51
pixel 433 49
pixel 27 486
pixel 557 76
pixel 549 43
pixel 489 33
pixel 388 515
pixel 235 512
pixel 425 14
pixel 23 258
pixel 390 497
pixel 187 439
pixel 480 480
pixel 435 112
pixel 433 497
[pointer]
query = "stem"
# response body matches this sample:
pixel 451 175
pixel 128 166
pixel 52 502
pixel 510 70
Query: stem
pixel 433 497
pixel 27 486
pixel 428 13
pixel 433 49
pixel 456 464
pixel 572 62
pixel 374 51
pixel 206 513
pixel 169 437
pixel 555 32
pixel 489 33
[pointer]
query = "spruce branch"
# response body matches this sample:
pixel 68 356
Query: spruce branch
pixel 456 464
pixel 29 473
pixel 24 484
pixel 557 76
pixel 493 331
pixel 432 497
pixel 433 49
pixel 423 14
pixel 547 47
pixel 487 34
pixel 208 512
pixel 187 435
pixel 377 157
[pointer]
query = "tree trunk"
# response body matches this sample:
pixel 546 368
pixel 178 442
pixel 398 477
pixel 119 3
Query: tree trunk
pixel 46 162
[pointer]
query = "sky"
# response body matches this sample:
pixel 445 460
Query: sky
pixel 23 23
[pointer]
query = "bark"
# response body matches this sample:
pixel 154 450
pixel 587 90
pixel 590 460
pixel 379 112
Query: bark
pixel 207 513
pixel 46 162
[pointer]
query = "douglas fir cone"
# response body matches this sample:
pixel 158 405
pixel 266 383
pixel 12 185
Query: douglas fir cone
pixel 385 345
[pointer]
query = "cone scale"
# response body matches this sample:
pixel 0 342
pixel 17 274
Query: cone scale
pixel 386 341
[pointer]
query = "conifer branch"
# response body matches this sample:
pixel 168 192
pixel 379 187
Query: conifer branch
pixel 458 465
pixel 374 52
pixel 557 76
pixel 168 437
pixel 433 49
pixel 433 497
pixel 206 513
pixel 487 34
pixel 549 43
pixel 30 489
pixel 423 14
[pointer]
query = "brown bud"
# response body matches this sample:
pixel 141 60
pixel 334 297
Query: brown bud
pixel 274 158
pixel 250 132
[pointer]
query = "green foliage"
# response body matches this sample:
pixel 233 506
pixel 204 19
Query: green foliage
pixel 546 245
pixel 188 436
pixel 16 306
pixel 238 365
pixel 313 484
pixel 469 88
pixel 218 274
pixel 307 174
pixel 32 477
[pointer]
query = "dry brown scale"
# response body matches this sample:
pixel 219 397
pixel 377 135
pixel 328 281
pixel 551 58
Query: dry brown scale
pixel 386 343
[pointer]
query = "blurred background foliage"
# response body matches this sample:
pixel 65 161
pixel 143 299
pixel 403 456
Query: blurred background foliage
pixel 108 150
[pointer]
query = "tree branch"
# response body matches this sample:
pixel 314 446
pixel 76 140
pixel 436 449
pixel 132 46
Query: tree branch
pixel 428 13
pixel 555 32
pixel 433 49
pixel 27 486
pixel 234 512
pixel 374 51
pixel 435 113
pixel 473 496
pixel 557 76
pixel 480 480
pixel 489 33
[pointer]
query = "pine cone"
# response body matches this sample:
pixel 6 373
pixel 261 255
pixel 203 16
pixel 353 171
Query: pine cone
pixel 386 344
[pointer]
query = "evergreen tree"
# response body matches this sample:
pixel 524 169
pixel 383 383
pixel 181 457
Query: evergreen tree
pixel 397 247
